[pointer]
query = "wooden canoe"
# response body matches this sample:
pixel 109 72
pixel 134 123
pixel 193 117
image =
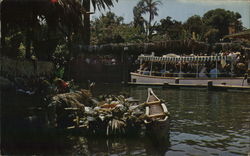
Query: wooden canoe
pixel 156 110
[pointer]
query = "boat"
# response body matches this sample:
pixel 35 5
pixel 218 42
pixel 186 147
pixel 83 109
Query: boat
pixel 181 76
pixel 156 110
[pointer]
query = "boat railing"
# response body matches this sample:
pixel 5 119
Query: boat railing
pixel 183 74
pixel 196 62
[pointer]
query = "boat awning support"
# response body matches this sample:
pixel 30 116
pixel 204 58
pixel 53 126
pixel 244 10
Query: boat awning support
pixel 151 68
pixel 232 68
pixel 180 66
pixel 165 67
pixel 216 67
pixel 197 69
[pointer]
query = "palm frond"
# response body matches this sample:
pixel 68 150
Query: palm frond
pixel 115 125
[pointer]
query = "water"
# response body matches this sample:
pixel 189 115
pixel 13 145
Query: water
pixel 202 123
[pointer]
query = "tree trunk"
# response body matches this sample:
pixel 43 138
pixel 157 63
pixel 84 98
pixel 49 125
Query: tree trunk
pixel 29 36
pixel 3 34
pixel 86 27
pixel 149 24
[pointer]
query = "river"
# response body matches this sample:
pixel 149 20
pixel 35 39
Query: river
pixel 202 123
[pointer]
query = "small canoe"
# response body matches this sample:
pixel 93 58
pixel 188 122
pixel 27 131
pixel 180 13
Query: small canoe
pixel 156 110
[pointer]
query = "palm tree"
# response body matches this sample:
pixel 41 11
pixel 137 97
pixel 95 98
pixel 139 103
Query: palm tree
pixel 70 17
pixel 100 4
pixel 149 6
pixel 80 9
pixel 63 15
pixel 139 21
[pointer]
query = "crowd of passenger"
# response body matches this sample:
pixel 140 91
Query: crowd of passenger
pixel 222 68
pixel 98 59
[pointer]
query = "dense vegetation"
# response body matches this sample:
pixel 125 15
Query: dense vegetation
pixel 210 28
pixel 54 28
pixel 42 28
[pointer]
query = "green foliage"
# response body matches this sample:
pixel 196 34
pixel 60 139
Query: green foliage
pixel 44 25
pixel 129 33
pixel 146 7
pixel 139 21
pixel 195 27
pixel 212 35
pixel 12 44
pixel 109 28
pixel 59 72
pixel 48 30
pixel 195 24
pixel 221 19
pixel 213 26
pixel 172 29
pixel 61 50
pixel 21 51
pixel 103 4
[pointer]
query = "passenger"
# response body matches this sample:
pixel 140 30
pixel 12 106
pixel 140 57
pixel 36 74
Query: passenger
pixel 142 67
pixel 163 72
pixel 203 72
pixel 156 71
pixel 214 73
pixel 145 71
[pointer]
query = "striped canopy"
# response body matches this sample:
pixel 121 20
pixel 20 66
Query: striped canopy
pixel 184 58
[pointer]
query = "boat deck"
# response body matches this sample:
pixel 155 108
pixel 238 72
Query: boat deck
pixel 212 87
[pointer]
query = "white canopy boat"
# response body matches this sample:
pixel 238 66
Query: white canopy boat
pixel 152 77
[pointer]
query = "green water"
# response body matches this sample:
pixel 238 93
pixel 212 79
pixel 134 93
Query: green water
pixel 202 123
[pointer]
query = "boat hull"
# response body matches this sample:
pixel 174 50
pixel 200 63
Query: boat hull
pixel 146 79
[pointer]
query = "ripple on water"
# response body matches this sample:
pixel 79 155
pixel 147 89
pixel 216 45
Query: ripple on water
pixel 202 123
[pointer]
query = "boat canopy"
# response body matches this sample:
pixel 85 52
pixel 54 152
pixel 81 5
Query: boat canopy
pixel 184 58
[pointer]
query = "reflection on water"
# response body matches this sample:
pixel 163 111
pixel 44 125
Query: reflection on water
pixel 202 123
pixel 207 123
pixel 115 146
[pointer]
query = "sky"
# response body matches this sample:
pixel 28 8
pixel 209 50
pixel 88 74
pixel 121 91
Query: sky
pixel 181 10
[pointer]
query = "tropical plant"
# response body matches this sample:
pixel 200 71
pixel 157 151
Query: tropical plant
pixel 109 28
pixel 139 21
pixel 196 27
pixel 149 7
pixel 171 29
pixel 221 19
pixel 212 35
pixel 97 4
pixel 46 23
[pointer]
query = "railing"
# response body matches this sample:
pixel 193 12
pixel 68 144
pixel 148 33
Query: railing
pixel 182 74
